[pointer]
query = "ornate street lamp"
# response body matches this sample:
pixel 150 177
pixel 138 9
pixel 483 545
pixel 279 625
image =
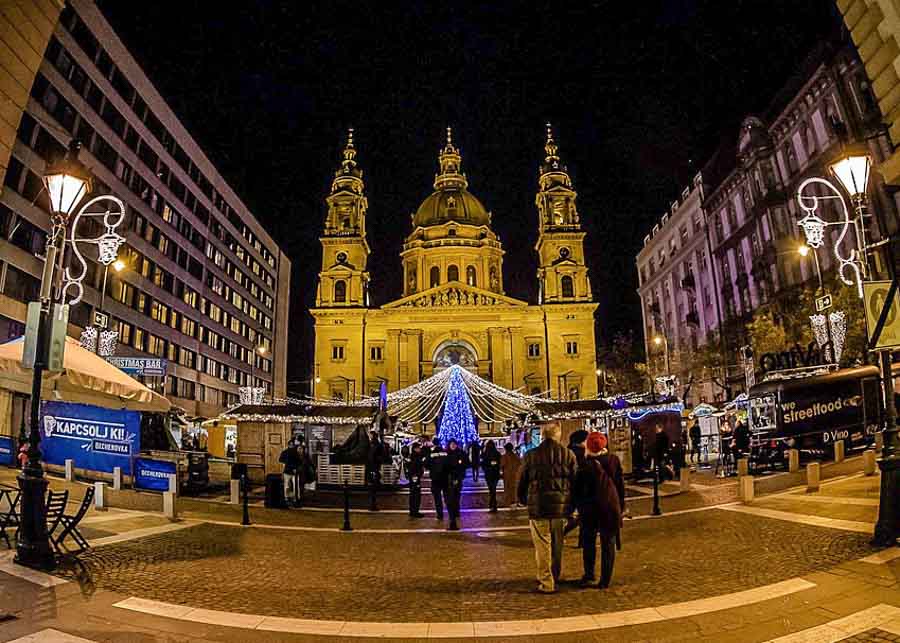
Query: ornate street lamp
pixel 852 172
pixel 67 182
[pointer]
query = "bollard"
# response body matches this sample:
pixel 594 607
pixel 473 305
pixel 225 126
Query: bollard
pixel 656 510
pixel 743 467
pixel 235 493
pixel 173 484
pixel 685 480
pixel 346 526
pixel 869 462
pixel 117 479
pixel 746 489
pixel 813 475
pixel 70 470
pixel 170 510
pixel 839 451
pixel 245 518
pixel 793 460
pixel 100 496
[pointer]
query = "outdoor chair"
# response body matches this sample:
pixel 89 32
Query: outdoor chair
pixel 69 527
pixel 9 516
pixel 56 507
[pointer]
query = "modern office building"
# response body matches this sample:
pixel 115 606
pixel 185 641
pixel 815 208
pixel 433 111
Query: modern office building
pixel 746 253
pixel 204 285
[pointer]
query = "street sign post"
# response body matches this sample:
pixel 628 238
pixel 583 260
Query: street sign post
pixel 823 303
pixel 882 314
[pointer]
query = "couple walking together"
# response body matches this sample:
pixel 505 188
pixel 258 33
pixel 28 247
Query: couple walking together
pixel 553 484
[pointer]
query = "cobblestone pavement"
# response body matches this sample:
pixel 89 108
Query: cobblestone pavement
pixel 471 576
pixel 874 635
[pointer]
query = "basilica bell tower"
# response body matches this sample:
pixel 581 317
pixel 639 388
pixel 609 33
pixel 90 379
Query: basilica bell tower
pixel 562 274
pixel 344 278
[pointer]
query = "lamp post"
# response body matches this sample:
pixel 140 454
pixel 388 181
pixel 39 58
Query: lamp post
pixel 852 172
pixel 601 379
pixel 662 340
pixel 66 183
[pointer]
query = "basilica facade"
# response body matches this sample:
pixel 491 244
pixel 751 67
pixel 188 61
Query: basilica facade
pixel 453 308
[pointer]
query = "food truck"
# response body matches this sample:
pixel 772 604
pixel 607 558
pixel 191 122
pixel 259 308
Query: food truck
pixel 812 409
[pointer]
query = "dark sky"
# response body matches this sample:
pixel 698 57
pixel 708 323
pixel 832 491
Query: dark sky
pixel 640 94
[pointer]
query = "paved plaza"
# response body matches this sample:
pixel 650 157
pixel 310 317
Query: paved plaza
pixel 709 569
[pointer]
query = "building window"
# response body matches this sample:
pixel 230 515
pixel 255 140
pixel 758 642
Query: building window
pixel 434 277
pixel 452 273
pixel 470 276
pixel 340 291
pixel 574 393
pixel 337 352
pixel 568 287
pixel 534 350
pixel 571 347
pixel 376 353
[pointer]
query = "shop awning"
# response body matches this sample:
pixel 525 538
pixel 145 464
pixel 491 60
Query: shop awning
pixel 85 379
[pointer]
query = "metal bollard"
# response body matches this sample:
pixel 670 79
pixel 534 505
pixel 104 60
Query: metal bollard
pixel 70 470
pixel 245 519
pixel 685 480
pixel 170 508
pixel 346 526
pixel 743 467
pixel 839 451
pixel 656 510
pixel 793 460
pixel 746 489
pixel 173 484
pixel 117 479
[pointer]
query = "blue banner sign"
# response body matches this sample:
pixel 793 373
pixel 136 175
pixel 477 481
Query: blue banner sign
pixel 97 439
pixel 153 475
pixel 150 366
pixel 7 450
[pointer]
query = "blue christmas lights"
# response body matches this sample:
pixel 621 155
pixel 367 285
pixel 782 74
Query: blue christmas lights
pixel 457 421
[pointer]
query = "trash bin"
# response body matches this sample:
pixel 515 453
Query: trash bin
pixel 275 491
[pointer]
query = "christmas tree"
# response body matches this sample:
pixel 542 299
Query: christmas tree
pixel 457 422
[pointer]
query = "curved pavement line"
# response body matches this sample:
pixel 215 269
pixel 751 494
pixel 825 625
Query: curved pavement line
pixel 477 629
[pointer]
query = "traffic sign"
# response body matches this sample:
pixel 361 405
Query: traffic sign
pixel 875 293
pixel 823 303
pixel 101 319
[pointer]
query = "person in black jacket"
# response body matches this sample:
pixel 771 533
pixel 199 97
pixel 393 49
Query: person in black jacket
pixel 457 463
pixel 374 460
pixel 438 469
pixel 695 435
pixel 293 463
pixel 475 458
pixel 490 463
pixel 546 486
pixel 415 470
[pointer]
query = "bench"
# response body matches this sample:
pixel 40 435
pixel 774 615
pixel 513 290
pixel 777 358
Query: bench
pixel 67 525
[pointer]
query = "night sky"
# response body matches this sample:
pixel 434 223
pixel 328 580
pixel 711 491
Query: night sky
pixel 640 94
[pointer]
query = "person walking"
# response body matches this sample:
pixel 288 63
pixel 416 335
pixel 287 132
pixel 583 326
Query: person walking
pixel 741 441
pixel 576 445
pixel 546 486
pixel 438 470
pixel 695 436
pixel 475 458
pixel 415 470
pixel 490 463
pixel 599 494
pixel 306 472
pixel 293 462
pixel 510 466
pixel 457 463
pixel 374 459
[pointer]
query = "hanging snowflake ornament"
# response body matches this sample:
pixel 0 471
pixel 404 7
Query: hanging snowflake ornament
pixel 838 320
pixel 88 339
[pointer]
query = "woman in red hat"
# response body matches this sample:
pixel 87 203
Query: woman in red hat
pixel 599 495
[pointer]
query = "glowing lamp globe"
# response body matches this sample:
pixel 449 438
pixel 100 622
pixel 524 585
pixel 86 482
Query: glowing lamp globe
pixel 803 250
pixel 657 340
pixel 67 181
pixel 853 173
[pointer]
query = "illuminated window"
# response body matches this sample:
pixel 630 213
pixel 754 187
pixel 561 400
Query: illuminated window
pixel 534 350
pixel 337 352
pixel 568 286
pixel 452 273
pixel 572 347
pixel 434 277
pixel 376 353
pixel 340 291
pixel 471 279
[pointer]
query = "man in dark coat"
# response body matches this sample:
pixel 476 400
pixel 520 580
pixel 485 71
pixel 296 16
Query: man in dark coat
pixel 576 445
pixel 695 435
pixel 741 441
pixel 546 487
pixel 457 463
pixel 475 458
pixel 374 459
pixel 438 470
pixel 600 497
pixel 415 470
pixel 490 463
pixel 293 463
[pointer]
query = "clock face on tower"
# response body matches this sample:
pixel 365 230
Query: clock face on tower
pixel 342 257
pixel 564 252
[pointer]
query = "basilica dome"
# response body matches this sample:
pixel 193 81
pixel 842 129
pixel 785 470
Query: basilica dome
pixel 451 204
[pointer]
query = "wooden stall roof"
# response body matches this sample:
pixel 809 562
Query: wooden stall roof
pixel 571 408
pixel 305 413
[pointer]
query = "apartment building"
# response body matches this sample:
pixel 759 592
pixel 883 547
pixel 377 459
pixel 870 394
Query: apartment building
pixel 205 286
pixel 746 196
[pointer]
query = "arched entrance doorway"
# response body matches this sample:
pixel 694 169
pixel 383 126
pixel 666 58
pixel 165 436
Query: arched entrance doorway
pixel 455 351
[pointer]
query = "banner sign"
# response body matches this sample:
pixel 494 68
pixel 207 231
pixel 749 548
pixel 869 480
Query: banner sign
pixel 153 475
pixel 97 439
pixel 875 295
pixel 7 450
pixel 152 366
pixel 828 413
